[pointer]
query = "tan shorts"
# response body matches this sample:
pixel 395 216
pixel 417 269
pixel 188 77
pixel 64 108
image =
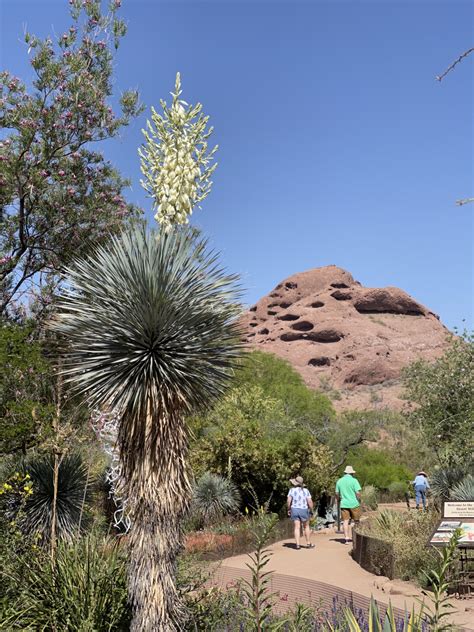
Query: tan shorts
pixel 354 513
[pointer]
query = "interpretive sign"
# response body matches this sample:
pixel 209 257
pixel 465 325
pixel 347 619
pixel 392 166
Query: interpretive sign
pixel 456 515
pixel 458 509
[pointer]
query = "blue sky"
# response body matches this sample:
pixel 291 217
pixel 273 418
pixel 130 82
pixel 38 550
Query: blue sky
pixel 337 144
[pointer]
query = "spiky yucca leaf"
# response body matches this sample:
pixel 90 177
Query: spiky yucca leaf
pixel 149 309
pixel 442 481
pixel 464 490
pixel 149 320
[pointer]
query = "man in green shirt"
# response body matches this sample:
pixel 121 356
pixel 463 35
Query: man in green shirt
pixel 348 494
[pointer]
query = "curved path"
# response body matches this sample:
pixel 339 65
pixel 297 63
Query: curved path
pixel 317 575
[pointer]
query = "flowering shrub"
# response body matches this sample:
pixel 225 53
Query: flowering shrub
pixel 57 194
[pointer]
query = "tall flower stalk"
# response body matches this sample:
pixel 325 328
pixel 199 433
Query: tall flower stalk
pixel 175 159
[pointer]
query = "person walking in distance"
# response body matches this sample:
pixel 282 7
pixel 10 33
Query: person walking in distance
pixel 421 486
pixel 348 494
pixel 299 505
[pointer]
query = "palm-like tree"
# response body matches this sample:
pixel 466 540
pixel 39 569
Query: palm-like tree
pixel 150 325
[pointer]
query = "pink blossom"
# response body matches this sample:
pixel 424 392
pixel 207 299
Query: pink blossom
pixel 61 173
pixel 5 259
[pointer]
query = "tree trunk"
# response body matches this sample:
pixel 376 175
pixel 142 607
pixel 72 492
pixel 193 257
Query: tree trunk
pixel 158 492
pixel 57 463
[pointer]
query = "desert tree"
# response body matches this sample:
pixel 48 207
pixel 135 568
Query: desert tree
pixel 58 193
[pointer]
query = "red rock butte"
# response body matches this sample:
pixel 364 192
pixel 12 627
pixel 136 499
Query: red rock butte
pixel 344 338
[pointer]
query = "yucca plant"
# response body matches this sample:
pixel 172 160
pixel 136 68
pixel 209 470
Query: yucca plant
pixel 149 322
pixel 443 480
pixel 464 490
pixel 214 496
pixel 73 496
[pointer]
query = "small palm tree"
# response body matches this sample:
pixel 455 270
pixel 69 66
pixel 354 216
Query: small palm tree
pixel 149 321
pixel 214 496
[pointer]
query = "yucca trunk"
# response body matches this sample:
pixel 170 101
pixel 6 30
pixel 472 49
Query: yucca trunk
pixel 158 492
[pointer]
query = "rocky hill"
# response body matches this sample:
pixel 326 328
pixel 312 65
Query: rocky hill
pixel 343 338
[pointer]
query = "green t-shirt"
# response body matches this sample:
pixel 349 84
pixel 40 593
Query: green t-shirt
pixel 346 487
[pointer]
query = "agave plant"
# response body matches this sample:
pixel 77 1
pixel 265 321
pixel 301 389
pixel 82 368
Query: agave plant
pixel 150 324
pixel 214 496
pixel 73 496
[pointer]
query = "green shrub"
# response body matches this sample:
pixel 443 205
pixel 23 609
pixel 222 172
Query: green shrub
pixel 409 534
pixel 397 490
pixel 377 467
pixel 279 380
pixel 444 393
pixel 248 438
pixel 369 497
pixel 84 589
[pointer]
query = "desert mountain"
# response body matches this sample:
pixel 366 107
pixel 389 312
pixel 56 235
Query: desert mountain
pixel 344 338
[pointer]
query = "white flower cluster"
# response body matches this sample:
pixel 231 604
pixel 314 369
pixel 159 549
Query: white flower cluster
pixel 175 159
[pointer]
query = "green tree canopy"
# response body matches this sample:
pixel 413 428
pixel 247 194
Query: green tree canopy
pixel 444 396
pixel 58 194
pixel 279 380
pixel 377 467
pixel 26 407
pixel 263 432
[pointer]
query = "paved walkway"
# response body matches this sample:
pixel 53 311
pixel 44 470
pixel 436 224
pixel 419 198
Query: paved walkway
pixel 328 569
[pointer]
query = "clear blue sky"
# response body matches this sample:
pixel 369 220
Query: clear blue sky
pixel 337 144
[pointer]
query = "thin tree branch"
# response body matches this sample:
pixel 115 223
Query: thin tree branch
pixel 465 201
pixel 454 64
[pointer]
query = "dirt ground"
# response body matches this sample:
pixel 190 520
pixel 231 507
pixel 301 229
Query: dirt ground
pixel 329 569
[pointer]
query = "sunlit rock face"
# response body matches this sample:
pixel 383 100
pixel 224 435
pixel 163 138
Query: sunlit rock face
pixel 344 337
